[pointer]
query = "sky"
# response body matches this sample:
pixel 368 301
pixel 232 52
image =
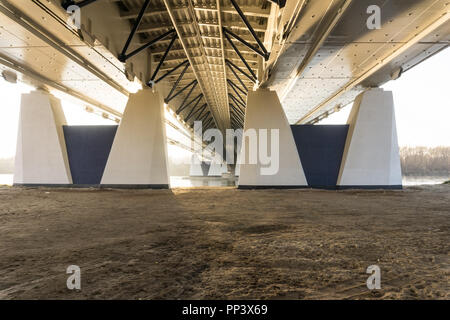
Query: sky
pixel 421 98
pixel 421 102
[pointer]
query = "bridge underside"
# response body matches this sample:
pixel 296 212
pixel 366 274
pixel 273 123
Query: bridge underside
pixel 205 59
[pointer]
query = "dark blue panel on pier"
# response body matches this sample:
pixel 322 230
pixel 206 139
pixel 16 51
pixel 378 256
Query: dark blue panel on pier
pixel 88 149
pixel 320 148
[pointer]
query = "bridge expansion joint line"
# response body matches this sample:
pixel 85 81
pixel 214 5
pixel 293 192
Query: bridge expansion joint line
pixel 203 75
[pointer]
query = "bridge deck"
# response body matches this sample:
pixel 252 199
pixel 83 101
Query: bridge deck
pixel 321 52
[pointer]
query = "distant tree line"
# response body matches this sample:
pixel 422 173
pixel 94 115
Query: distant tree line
pixel 424 161
pixel 416 161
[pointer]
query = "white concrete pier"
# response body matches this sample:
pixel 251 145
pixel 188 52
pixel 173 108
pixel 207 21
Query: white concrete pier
pixel 41 155
pixel 138 157
pixel 371 156
pixel 264 112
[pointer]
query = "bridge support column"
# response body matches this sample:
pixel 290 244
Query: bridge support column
pixel 217 168
pixel 198 168
pixel 265 117
pixel 237 167
pixel 138 157
pixel 41 155
pixel 371 156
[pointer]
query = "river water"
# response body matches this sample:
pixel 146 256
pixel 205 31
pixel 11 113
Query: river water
pixel 186 182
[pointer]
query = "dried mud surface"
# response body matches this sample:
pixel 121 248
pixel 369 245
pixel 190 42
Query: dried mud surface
pixel 224 243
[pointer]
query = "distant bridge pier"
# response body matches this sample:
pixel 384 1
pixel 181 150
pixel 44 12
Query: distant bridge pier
pixel 198 168
pixel 41 155
pixel 371 156
pixel 138 157
pixel 218 167
pixel 237 167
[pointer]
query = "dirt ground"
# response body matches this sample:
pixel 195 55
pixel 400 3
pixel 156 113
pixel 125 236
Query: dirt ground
pixel 224 243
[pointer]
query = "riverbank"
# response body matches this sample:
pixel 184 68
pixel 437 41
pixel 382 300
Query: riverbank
pixel 221 243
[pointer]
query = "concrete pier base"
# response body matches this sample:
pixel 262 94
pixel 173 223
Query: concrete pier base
pixel 138 157
pixel 264 112
pixel 371 156
pixel 41 156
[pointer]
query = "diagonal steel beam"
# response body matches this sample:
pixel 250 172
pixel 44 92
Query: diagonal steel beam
pixel 238 79
pixel 235 91
pixel 237 110
pixel 198 111
pixel 236 101
pixel 231 65
pixel 186 98
pixel 196 99
pixel 170 97
pixel 236 116
pixel 245 43
pixel 173 70
pixel 207 123
pixel 134 29
pixel 250 28
pixel 241 57
pixel 205 116
pixel 125 57
pixel 236 125
pixel 200 115
pixel 155 73
pixel 236 86
pixel 236 120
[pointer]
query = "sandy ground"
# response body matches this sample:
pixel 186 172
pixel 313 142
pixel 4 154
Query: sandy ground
pixel 223 243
